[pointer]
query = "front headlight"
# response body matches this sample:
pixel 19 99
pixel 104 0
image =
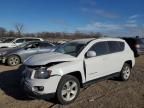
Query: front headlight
pixel 3 53
pixel 42 73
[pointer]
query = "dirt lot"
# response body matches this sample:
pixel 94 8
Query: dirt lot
pixel 105 94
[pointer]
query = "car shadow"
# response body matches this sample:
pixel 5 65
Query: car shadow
pixel 10 84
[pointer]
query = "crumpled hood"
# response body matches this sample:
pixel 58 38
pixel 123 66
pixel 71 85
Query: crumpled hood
pixel 45 58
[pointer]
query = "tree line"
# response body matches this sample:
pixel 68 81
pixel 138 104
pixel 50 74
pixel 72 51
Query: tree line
pixel 61 35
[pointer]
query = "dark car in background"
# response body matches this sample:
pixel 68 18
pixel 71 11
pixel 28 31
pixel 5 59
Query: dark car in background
pixel 15 56
pixel 136 44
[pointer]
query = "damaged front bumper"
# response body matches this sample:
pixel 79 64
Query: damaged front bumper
pixel 36 88
pixel 33 94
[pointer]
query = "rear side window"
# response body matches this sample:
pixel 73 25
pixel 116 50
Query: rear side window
pixel 115 46
pixel 100 48
pixel 19 40
pixel 44 45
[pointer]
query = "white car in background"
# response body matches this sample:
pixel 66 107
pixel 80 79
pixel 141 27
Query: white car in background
pixel 76 64
pixel 13 42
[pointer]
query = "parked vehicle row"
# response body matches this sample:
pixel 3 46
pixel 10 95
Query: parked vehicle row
pixel 17 55
pixel 76 64
pixel 13 42
pixel 135 43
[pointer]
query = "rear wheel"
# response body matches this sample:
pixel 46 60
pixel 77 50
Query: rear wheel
pixel 68 89
pixel 125 72
pixel 13 60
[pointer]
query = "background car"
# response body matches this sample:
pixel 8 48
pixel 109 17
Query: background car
pixel 15 56
pixel 2 39
pixel 136 44
pixel 13 42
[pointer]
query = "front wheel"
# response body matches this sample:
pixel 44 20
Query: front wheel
pixel 13 60
pixel 68 89
pixel 125 72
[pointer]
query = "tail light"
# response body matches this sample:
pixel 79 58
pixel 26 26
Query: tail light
pixel 137 46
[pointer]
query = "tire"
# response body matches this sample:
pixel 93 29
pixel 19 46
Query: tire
pixel 68 89
pixel 13 60
pixel 125 72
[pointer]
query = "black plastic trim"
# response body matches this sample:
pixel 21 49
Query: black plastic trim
pixel 84 67
pixel 102 78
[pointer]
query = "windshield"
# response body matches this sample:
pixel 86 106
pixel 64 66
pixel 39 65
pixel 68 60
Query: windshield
pixel 71 48
pixel 8 40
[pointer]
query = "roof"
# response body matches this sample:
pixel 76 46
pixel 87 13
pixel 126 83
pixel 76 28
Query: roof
pixel 86 40
pixel 101 38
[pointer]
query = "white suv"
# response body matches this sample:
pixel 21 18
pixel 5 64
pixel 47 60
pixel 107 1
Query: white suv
pixel 13 42
pixel 76 64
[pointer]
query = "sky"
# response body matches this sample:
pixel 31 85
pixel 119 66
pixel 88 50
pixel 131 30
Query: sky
pixel 110 17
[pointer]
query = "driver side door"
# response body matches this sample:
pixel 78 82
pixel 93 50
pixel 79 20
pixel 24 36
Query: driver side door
pixel 97 66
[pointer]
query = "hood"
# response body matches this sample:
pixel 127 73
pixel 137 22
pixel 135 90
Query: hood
pixel 9 50
pixel 45 58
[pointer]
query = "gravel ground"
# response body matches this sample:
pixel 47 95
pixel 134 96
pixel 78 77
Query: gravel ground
pixel 106 94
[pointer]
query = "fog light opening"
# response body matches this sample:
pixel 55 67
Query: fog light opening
pixel 39 88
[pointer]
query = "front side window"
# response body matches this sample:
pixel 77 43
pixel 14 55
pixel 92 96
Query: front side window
pixel 100 48
pixel 44 45
pixel 32 45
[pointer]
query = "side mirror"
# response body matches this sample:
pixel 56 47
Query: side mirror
pixel 91 54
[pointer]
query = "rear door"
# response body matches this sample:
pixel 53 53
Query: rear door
pixel 116 61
